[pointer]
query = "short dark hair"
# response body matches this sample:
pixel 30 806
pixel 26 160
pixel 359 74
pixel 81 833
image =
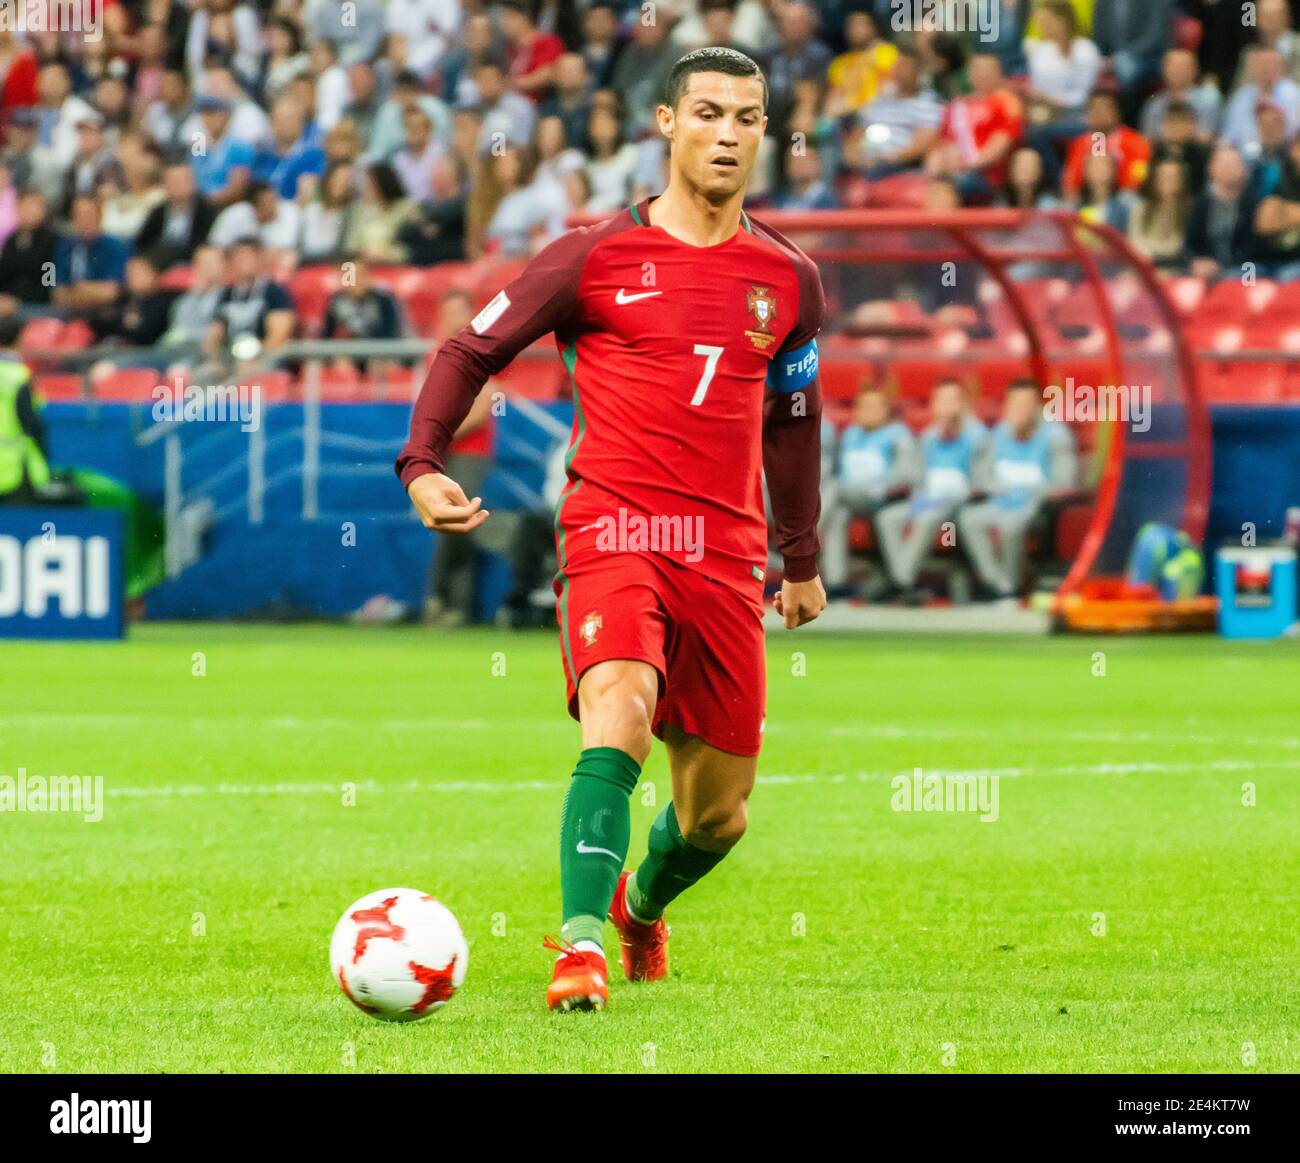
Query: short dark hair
pixel 710 60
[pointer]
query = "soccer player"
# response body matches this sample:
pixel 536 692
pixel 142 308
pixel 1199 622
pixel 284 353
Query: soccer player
pixel 689 330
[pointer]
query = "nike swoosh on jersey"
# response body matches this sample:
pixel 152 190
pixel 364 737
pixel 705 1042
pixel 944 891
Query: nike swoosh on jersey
pixel 623 298
pixel 586 848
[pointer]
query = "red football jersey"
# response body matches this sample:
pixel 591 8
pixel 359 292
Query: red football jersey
pixel 693 369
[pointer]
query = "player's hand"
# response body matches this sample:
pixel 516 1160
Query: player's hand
pixel 443 506
pixel 800 602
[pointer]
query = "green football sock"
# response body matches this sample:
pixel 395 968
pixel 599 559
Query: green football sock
pixel 594 832
pixel 670 867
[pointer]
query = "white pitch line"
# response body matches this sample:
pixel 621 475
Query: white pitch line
pixel 560 722
pixel 321 787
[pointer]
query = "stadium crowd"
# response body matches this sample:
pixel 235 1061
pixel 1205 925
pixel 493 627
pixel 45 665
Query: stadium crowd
pixel 162 183
pixel 417 131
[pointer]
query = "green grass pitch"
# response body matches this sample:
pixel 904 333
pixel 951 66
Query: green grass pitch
pixel 1129 909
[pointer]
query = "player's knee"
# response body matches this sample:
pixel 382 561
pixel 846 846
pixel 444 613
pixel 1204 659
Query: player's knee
pixel 717 827
pixel 617 711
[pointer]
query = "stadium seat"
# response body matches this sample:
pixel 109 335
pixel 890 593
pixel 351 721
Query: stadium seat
pixel 57 386
pixel 40 334
pixel 842 379
pixel 128 384
pixel 277 386
pixel 176 279
pixel 310 288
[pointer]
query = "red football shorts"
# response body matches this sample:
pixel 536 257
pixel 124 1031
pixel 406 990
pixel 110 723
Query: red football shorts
pixel 704 638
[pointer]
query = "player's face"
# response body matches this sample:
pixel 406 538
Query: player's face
pixel 715 132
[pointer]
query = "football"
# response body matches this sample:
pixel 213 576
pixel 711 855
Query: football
pixel 398 954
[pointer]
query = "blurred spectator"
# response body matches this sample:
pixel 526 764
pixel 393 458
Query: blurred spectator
pixel 1063 68
pixel 601 43
pixel 1181 86
pixel 1220 235
pixel 1030 458
pixel 88 264
pixel 856 76
pixel 252 306
pixel 1277 221
pixel 427 26
pixel 1027 187
pixel 388 134
pixel 1005 39
pixel 642 69
pixel 951 449
pixel 509 119
pixel 1157 227
pixel 895 130
pixel 194 311
pixel 532 54
pixel 248 121
pixel 612 161
pixel 58 112
pixel 27 257
pixel 1266 82
pixel 415 161
pixel 529 213
pixel 364 100
pixel 436 233
pixel 944 62
pixel 800 56
pixel 127 205
pixel 223 165
pixel 274 221
pixel 1132 36
pixel 1274 32
pixel 358 27
pixel 978 132
pixel 288 155
pixel 179 223
pixel 332 94
pixel 805 188
pixel 878 456
pixel 284 59
pixel 232 29
pixel 1101 199
pixel 360 310
pixel 19 142
pixel 139 314
pixel 1129 151
pixel 8 204
pixel 376 220
pixel 571 99
pixel 94 162
pixel 18 71
pixel 167 116
pixel 1178 141
pixel 325 216
pixel 480 43
pixel 723 23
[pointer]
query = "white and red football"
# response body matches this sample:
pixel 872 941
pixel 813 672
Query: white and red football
pixel 398 954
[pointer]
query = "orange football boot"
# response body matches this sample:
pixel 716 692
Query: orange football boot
pixel 578 982
pixel 644 948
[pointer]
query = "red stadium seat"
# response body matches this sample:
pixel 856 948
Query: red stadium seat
pixel 1241 382
pixel 59 387
pixel 842 379
pixel 40 335
pixel 1186 291
pixel 310 288
pixel 129 384
pixel 276 386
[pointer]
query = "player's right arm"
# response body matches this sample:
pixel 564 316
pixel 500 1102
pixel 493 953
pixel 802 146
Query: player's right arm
pixel 543 298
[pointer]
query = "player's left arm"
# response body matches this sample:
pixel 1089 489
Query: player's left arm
pixel 792 421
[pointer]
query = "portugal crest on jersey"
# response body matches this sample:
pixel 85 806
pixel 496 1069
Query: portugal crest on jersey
pixel 761 304
pixel 590 627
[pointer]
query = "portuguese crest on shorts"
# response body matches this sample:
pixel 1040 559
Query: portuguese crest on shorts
pixel 590 627
pixel 761 304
